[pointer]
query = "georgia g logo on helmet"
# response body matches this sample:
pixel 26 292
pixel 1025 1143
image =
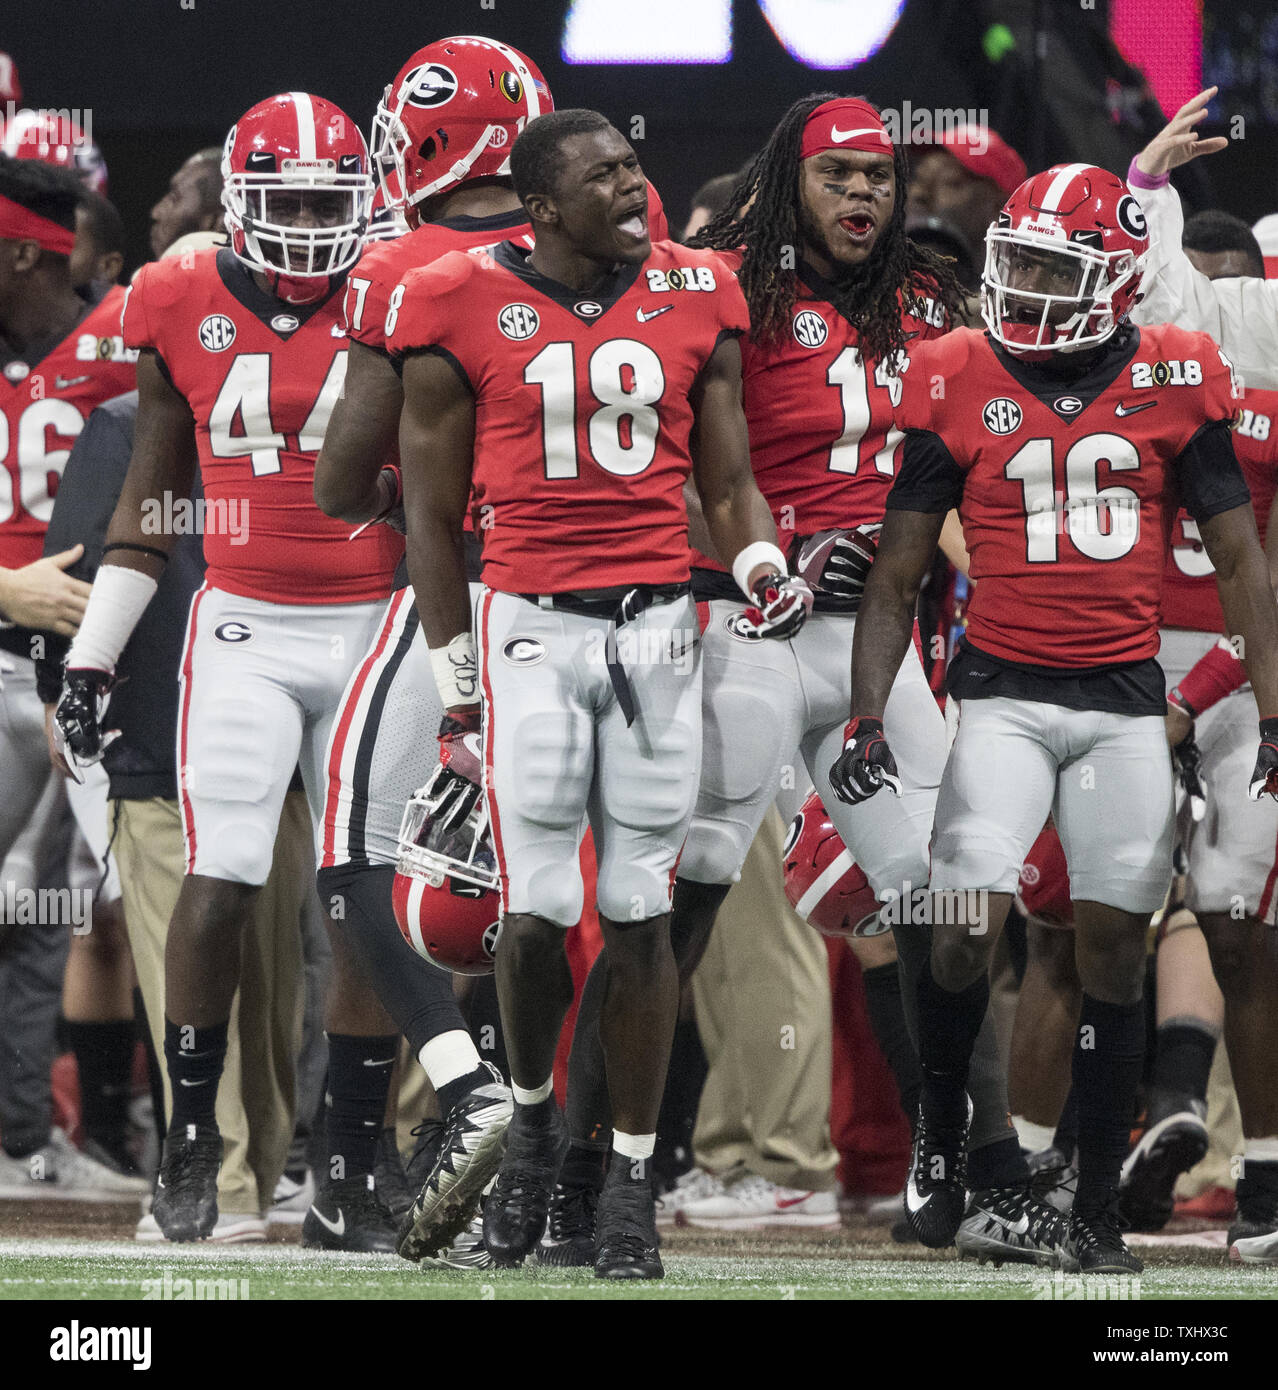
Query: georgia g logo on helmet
pixel 430 85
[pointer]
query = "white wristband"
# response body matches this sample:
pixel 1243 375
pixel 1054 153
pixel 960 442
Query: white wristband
pixel 117 601
pixel 456 671
pixel 750 558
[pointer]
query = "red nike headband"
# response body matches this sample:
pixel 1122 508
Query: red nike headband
pixel 21 224
pixel 845 124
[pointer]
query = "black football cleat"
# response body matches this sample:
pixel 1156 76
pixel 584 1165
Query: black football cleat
pixel 569 1241
pixel 1257 1215
pixel 515 1210
pixel 1053 1177
pixel 1010 1225
pixel 1094 1241
pixel 935 1192
pixel 1170 1146
pixel 470 1149
pixel 185 1206
pixel 350 1216
pixel 626 1241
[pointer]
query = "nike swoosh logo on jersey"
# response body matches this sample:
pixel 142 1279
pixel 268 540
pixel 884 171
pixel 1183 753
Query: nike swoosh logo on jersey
pixel 643 318
pixel 1122 410
pixel 65 383
pixel 1017 1228
pixel 372 1062
pixel 337 1227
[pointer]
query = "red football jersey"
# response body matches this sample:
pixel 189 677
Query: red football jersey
pixel 1190 597
pixel 42 409
pixel 1067 497
pixel 822 437
pixel 582 417
pixel 261 378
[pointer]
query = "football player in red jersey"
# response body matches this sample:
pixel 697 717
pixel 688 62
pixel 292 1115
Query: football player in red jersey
pixel 243 355
pixel 1232 860
pixel 575 388
pixel 1065 436
pixel 818 398
pixel 59 358
pixel 471 95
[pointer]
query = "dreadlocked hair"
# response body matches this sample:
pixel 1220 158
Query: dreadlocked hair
pixel 761 220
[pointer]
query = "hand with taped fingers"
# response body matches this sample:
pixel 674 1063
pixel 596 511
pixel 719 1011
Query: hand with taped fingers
pixel 866 763
pixel 1178 142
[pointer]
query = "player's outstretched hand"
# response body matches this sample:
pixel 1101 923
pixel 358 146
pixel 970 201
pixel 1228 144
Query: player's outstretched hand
pixel 1264 778
pixel 782 603
pixel 866 763
pixel 837 562
pixel 40 595
pixel 78 740
pixel 1177 143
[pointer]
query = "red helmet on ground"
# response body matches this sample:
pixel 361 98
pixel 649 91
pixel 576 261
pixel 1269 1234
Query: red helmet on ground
pixel 296 186
pixel 824 886
pixel 445 892
pixel 46 136
pixel 1044 887
pixel 1063 262
pixel 452 113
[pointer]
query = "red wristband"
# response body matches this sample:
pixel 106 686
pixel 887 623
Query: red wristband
pixel 1211 678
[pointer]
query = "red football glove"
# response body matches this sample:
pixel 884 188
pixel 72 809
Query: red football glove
pixel 782 603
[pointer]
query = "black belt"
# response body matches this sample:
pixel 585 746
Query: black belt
pixel 619 606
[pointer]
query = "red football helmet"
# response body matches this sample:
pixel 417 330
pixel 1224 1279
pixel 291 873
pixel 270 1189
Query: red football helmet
pixel 1063 262
pixel 46 136
pixel 1044 887
pixel 445 892
pixel 451 114
pixel 289 158
pixel 824 886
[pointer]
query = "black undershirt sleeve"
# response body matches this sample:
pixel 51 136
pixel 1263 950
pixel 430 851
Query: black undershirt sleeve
pixel 929 479
pixel 1207 473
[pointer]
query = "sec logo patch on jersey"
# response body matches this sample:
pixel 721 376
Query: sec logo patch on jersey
pixel 810 329
pixel 217 333
pixel 1002 415
pixel 518 321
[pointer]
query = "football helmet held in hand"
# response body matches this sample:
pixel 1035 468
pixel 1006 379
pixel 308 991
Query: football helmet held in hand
pixel 445 893
pixel 822 882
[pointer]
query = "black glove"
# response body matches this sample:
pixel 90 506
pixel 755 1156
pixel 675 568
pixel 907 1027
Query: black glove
pixel 782 603
pixel 1264 777
pixel 866 763
pixel 836 562
pixel 77 718
pixel 1187 759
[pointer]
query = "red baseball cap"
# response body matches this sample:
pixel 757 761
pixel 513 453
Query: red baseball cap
pixel 984 152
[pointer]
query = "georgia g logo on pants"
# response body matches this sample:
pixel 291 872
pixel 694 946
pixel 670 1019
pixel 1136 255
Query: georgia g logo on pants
pixel 233 631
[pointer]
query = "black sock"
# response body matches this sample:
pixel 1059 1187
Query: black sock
pixel 195 1057
pixel 1066 1137
pixel 586 1106
pixel 1182 1060
pixel 883 1004
pixel 359 1075
pixel 1108 1052
pixel 948 1025
pixel 449 1095
pixel 104 1060
pixel 624 1169
pixel 584 1166
pixel 483 1020
pixel 680 1102
pixel 1000 1164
